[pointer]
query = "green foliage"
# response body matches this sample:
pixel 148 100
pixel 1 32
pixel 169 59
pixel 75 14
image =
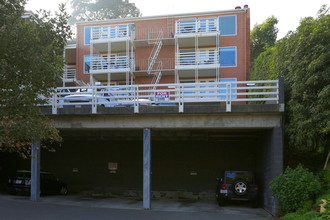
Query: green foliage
pixel 306 207
pixel 89 10
pixel 302 58
pixel 307 216
pixel 307 73
pixel 291 216
pixel 294 187
pixel 265 65
pixel 263 36
pixel 31 63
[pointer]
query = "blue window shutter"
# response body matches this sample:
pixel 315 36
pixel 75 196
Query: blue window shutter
pixel 227 25
pixel 227 57
pixel 87 35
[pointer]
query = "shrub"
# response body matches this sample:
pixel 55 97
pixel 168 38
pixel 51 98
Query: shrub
pixel 306 207
pixel 294 187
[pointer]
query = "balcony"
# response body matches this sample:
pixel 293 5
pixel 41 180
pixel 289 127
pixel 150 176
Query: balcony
pixel 206 30
pixel 116 35
pixel 110 64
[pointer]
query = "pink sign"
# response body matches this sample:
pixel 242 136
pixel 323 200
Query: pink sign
pixel 162 96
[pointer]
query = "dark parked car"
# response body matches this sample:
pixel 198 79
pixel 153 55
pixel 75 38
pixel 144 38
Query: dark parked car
pixel 237 185
pixel 49 184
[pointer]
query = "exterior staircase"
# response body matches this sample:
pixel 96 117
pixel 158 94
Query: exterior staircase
pixel 152 60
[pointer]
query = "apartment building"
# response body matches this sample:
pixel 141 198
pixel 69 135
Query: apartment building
pixel 180 48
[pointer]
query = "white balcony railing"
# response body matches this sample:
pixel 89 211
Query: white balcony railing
pixel 111 32
pixel 242 92
pixel 117 63
pixel 187 26
pixel 69 74
pixel 197 58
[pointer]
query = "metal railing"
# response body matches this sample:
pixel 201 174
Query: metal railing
pixel 153 33
pixel 69 74
pixel 166 94
pixel 186 26
pixel 197 58
pixel 111 32
pixel 109 63
pixel 143 64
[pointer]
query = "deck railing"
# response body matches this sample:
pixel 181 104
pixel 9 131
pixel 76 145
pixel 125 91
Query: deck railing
pixel 186 26
pixel 109 63
pixel 243 92
pixel 111 32
pixel 69 74
pixel 197 58
pixel 143 64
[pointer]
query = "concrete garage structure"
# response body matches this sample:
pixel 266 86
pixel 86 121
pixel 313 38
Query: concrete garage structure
pixel 163 153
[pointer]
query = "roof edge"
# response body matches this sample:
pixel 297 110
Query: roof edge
pixel 162 16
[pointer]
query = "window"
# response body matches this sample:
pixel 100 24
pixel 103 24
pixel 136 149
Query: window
pixel 227 57
pixel 87 63
pixel 87 34
pixel 227 25
pixel 224 86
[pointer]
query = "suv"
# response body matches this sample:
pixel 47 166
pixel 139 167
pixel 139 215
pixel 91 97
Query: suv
pixel 237 185
pixel 49 184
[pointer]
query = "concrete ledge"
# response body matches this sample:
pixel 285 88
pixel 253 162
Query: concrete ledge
pixel 191 108
pixel 199 121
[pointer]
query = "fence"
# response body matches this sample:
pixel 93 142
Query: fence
pixel 178 94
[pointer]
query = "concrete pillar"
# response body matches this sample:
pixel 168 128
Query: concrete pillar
pixel 35 172
pixel 146 168
pixel 281 90
pixel 273 166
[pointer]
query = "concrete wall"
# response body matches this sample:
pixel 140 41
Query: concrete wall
pixel 272 166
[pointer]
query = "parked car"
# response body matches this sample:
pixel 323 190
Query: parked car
pixel 237 185
pixel 49 184
pixel 85 95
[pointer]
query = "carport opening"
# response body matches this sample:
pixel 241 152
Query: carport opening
pixel 185 163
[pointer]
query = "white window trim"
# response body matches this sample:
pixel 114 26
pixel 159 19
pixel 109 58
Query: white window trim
pixel 235 58
pixel 85 35
pixel 235 25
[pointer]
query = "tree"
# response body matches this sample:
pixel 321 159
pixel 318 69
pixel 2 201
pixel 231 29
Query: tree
pixel 263 36
pixel 302 57
pixel 89 10
pixel 307 73
pixel 31 63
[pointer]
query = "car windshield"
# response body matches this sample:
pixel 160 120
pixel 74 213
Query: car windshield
pixel 23 174
pixel 232 176
pixel 85 90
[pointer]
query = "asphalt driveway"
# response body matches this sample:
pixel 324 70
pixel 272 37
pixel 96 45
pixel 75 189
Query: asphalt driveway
pixel 86 207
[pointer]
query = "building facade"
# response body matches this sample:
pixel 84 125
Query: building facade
pixel 181 48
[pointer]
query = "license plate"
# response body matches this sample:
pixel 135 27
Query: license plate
pixel 223 191
pixel 18 181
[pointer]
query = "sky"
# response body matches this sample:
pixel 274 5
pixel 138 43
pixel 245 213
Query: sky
pixel 288 12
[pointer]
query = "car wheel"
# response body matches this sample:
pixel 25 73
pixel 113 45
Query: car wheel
pixel 240 187
pixel 63 190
